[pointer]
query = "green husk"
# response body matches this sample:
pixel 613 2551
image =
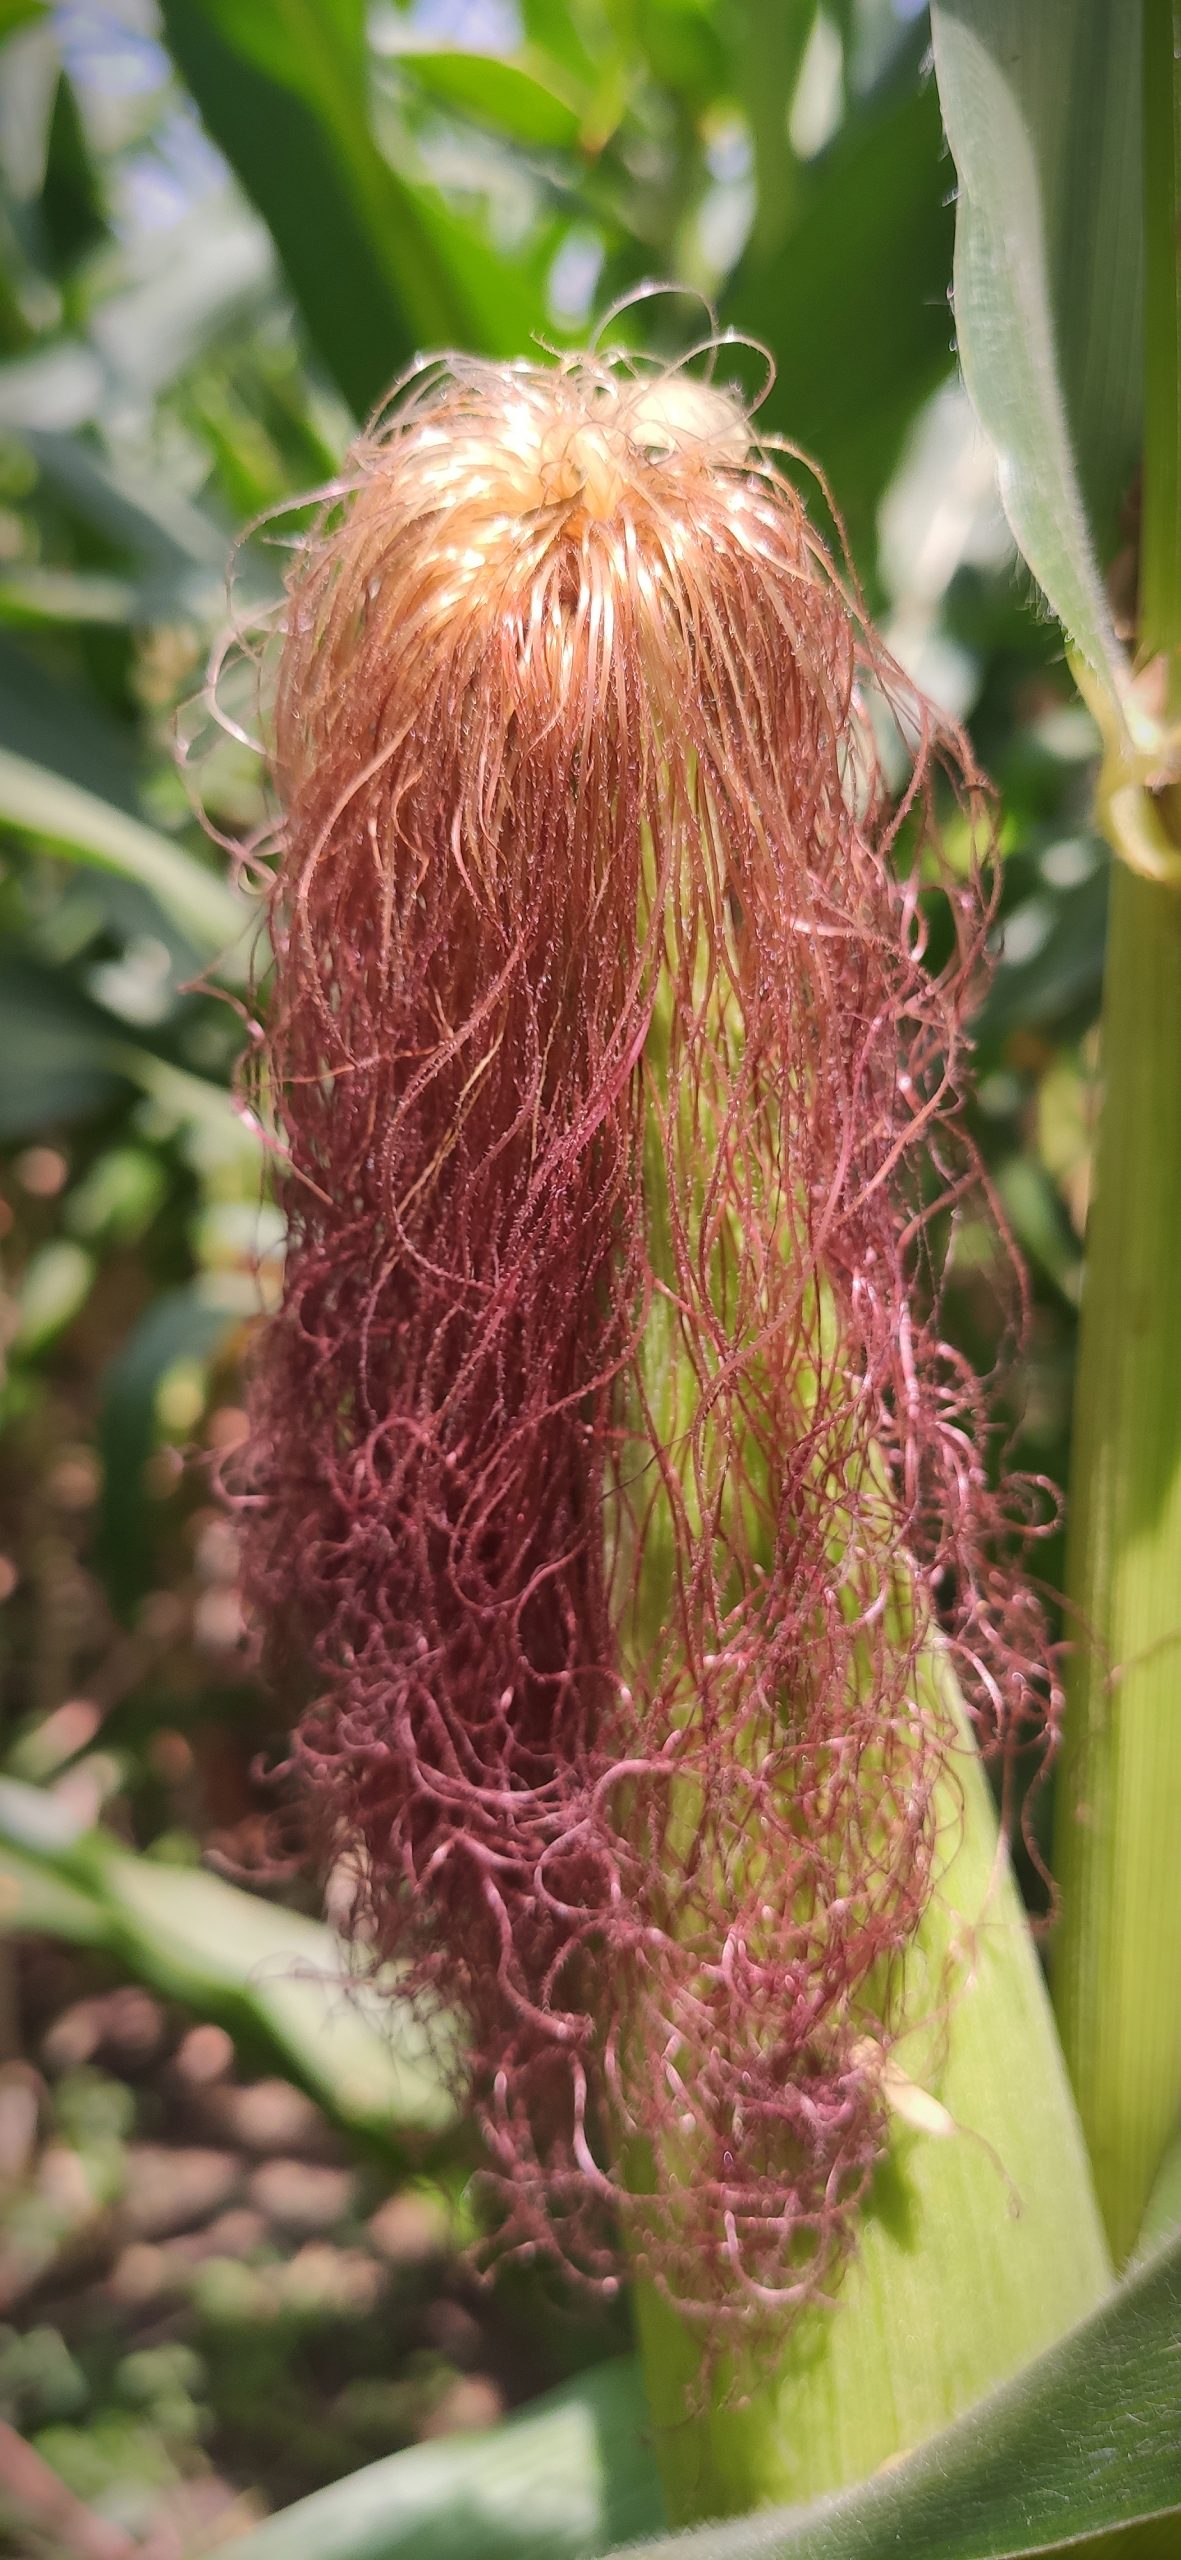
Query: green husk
pixel 981 2241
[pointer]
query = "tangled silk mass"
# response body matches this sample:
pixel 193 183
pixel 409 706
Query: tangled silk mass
pixel 608 1471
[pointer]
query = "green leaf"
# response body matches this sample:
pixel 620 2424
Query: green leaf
pixel 853 303
pixel 189 1324
pixel 561 2482
pixel 58 1057
pixel 525 97
pixel 60 814
pixel 1083 2444
pixel 17 13
pixel 380 266
pixel 175 540
pixel 772 40
pixel 34 1902
pixel 1042 109
pixel 1163 2216
pixel 71 207
pixel 279 1982
pixel 50 721
pixel 55 1284
pixel 354 2047
pixel 31 598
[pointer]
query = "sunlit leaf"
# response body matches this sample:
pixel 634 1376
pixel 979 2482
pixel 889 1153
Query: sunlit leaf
pixel 54 1284
pixel 212 268
pixel 18 13
pixel 279 1982
pixel 31 598
pixel 525 97
pixel 1042 109
pixel 379 265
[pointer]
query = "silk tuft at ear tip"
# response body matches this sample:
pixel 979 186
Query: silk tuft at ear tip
pixel 621 1130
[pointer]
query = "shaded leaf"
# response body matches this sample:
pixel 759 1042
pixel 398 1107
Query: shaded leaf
pixel 191 1324
pixel 72 215
pixel 1061 979
pixel 61 725
pixel 1081 2445
pixel 58 1058
pixel 560 2482
pixel 853 303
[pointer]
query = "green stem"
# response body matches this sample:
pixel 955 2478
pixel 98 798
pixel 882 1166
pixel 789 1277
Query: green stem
pixel 1160 569
pixel 1118 1959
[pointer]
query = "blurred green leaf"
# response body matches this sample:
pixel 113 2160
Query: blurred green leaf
pixel 189 1324
pixel 772 39
pixel 36 1902
pixel 1061 977
pixel 61 725
pixel 852 304
pixel 212 267
pixel 379 265
pixel 1081 2445
pixel 173 538
pixel 523 96
pixel 118 1196
pixel 17 13
pixel 60 814
pixel 560 2482
pixel 55 1283
pixel 566 35
pixel 33 598
pixel 278 1982
pixel 1042 109
pixel 1039 1223
pixel 72 215
pixel 58 1057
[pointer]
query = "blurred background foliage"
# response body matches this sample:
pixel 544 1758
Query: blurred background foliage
pixel 230 2252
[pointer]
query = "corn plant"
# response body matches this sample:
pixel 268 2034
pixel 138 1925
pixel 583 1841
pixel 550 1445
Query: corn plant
pixel 637 1552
